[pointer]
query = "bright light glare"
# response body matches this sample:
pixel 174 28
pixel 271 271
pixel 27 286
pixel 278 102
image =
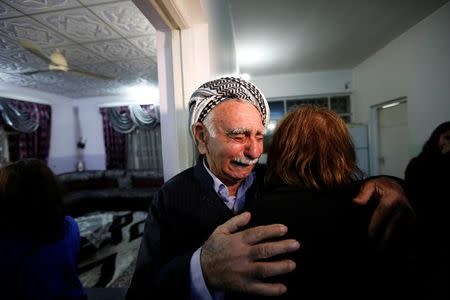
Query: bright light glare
pixel 245 76
pixel 271 126
pixel 251 56
pixel 143 93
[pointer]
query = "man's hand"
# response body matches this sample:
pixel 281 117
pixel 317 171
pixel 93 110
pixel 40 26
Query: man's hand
pixel 230 259
pixel 392 212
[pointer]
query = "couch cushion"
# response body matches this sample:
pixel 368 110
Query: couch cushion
pixel 90 184
pixel 146 182
pixel 85 175
pixel 82 202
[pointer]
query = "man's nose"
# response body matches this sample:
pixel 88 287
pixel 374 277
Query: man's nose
pixel 253 148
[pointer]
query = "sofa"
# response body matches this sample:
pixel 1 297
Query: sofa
pixel 112 190
pixel 110 207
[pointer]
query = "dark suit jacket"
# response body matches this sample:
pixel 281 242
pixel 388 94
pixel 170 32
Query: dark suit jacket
pixel 182 217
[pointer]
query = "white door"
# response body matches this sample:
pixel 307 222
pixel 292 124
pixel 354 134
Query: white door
pixel 393 139
pixel 360 140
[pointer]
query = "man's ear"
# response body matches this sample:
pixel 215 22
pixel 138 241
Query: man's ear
pixel 201 136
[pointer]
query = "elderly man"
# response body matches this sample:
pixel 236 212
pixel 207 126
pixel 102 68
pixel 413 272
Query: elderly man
pixel 194 245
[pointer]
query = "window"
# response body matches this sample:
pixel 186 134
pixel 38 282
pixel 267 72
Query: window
pixel 278 107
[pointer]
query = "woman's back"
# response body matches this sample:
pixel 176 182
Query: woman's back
pixel 46 271
pixel 333 239
pixel 39 243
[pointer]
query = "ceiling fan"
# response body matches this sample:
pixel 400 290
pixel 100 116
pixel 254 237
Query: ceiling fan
pixel 56 62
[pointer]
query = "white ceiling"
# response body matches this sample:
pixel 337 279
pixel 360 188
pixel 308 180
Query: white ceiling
pixel 113 38
pixel 294 36
pixel 108 37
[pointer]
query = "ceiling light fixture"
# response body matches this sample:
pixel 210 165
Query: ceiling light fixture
pixel 390 105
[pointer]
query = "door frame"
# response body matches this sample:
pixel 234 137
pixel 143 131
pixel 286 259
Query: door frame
pixel 374 141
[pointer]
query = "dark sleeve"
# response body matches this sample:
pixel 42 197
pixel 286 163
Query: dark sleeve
pixel 73 233
pixel 416 178
pixel 161 272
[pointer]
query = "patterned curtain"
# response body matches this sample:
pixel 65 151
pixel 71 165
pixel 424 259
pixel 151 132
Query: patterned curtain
pixel 144 149
pixel 34 144
pixel 115 142
pixel 132 137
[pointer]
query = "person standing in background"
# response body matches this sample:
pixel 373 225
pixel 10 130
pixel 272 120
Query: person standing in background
pixel 427 178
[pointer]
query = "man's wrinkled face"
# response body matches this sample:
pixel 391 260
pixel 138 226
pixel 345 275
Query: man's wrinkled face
pixel 236 142
pixel 444 142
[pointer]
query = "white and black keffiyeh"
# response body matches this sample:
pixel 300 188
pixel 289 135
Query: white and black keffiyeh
pixel 210 94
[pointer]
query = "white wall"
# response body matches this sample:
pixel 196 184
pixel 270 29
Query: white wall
pixel 415 65
pixel 62 156
pixel 302 84
pixel 221 38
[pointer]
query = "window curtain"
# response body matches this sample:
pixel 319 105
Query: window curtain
pixel 114 140
pixel 4 155
pixel 30 129
pixel 144 149
pixel 139 127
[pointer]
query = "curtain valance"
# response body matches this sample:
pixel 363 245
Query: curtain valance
pixel 126 120
pixel 21 121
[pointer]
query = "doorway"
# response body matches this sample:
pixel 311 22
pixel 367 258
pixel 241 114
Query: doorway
pixel 390 137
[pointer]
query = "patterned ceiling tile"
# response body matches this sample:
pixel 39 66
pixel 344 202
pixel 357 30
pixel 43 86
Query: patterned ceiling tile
pixel 18 80
pixel 92 2
pixel 7 44
pixel 78 24
pixel 127 79
pixel 48 88
pixel 151 77
pixel 7 11
pixel 49 77
pixel 20 61
pixel 124 17
pixel 64 80
pixel 73 30
pixel 138 66
pixel 35 6
pixel 115 50
pixel 27 28
pixel 147 44
pixel 89 83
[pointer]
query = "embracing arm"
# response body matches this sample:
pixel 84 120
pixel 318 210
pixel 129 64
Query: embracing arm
pixel 392 211
pixel 232 260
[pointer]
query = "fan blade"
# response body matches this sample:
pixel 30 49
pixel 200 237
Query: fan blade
pixel 34 72
pixel 33 48
pixel 90 74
